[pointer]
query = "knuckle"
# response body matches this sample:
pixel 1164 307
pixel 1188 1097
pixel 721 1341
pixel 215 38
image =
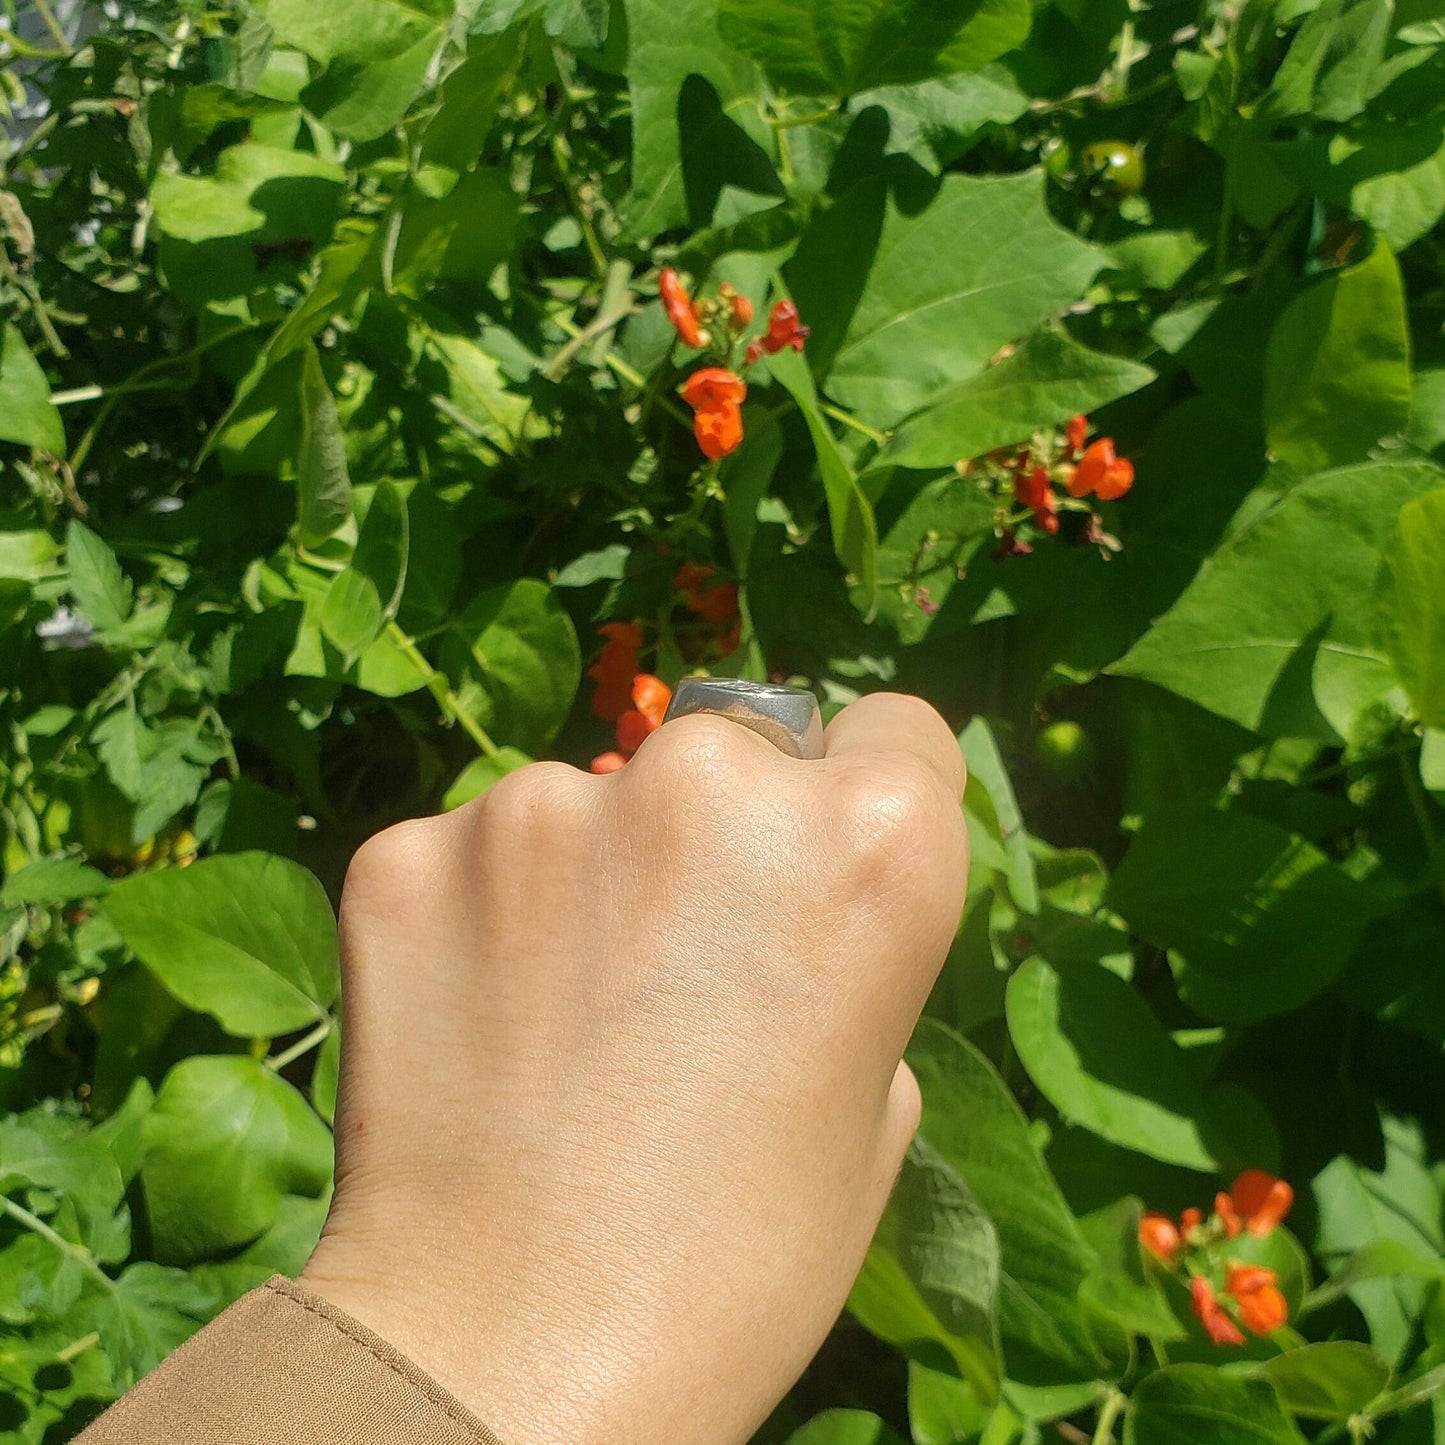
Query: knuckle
pixel 399 860
pixel 690 756
pixel 898 822
pixel 525 805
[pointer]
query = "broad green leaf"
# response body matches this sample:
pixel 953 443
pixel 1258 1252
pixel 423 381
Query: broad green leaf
pixel 1100 1056
pixel 1040 385
pixel 942 1408
pixel 326 1076
pixel 159 768
pixel 27 415
pixel 53 880
pixel 1123 1289
pixel 513 656
pixel 1413 605
pixel 476 394
pixel 1396 1198
pixel 667 44
pixel 579 23
pixel 1432 760
pixel 986 772
pixel 929 296
pixel 1337 368
pixel 745 477
pixel 480 774
pixel 383 547
pixel 1381 1258
pixel 225 1142
pixel 932 1272
pixel 143 1316
pixel 1426 1386
pixel 1263 920
pixel 1267 636
pixel 937 121
pixel 1198 1405
pixel 377 56
pixel 101 590
pixel 850 514
pixel 1329 1381
pixel 351 614
pixel 462 237
pixel 40 1150
pixel 845 1427
pixel 1331 61
pixel 971 1119
pixel 815 47
pixel 323 485
pixel 248 938
pixel 251 224
pixel 26 556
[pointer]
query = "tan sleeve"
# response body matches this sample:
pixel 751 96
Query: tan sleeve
pixel 284 1367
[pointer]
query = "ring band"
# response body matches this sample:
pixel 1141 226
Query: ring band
pixel 787 716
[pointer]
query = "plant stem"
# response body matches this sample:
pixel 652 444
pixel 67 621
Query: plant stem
pixel 35 1225
pixel 838 414
pixel 447 700
pixel 574 196
pixel 1113 1407
pixel 317 1036
pixel 52 24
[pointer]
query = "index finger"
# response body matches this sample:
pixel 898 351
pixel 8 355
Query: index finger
pixel 894 723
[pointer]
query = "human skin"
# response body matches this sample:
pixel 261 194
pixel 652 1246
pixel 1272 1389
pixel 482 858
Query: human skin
pixel 621 1094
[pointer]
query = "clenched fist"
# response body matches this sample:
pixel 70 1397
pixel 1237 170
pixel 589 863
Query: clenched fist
pixel 621 1100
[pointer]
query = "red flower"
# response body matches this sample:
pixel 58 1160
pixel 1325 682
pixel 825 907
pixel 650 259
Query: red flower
pixel 1102 470
pixel 615 669
pixel 1159 1236
pixel 1217 1325
pixel 1224 1208
pixel 1191 1218
pixel 649 697
pixel 1032 489
pixel 680 310
pixel 783 330
pixel 1076 433
pixel 1256 1290
pixel 715 395
pixel 717 604
pixel 1260 1200
pixel 740 309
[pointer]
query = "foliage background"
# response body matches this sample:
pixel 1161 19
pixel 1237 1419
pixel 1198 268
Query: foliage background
pixel 337 411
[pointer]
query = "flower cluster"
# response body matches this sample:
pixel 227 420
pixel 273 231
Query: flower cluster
pixel 712 602
pixel 1251 1296
pixel 632 699
pixel 1050 474
pixel 716 393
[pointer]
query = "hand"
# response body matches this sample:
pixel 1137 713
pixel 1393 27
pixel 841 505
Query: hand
pixel 621 1100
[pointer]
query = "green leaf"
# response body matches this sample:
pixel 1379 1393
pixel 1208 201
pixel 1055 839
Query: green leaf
pixel 351 614
pixel 326 1076
pixel 53 880
pixel 1337 368
pixel 931 1276
pixel 27 415
pixel 937 121
pixel 971 1119
pixel 667 43
pixel 850 514
pixel 986 773
pixel 845 1427
pixel 1199 1405
pixel 1122 1288
pixel 815 47
pixel 1040 385
pixel 323 485
pixel 225 1142
pixel 101 590
pixel 1263 919
pixel 1412 600
pixel 513 656
pixel 248 938
pixel 942 1408
pixel 462 237
pixel 929 296
pixel 1266 636
pixel 143 1316
pixel 1329 1381
pixel 1100 1056
pixel 26 556
pixel 480 774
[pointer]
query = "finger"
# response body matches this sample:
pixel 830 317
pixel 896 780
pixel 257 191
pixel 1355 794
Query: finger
pixel 896 725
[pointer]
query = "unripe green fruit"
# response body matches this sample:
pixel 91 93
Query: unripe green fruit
pixel 1065 753
pixel 1115 165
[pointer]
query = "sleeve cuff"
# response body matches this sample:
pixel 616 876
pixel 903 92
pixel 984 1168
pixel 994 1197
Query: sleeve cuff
pixel 285 1367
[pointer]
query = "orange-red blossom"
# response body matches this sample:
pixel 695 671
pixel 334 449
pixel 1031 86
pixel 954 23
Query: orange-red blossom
pixel 1212 1315
pixel 615 669
pixel 649 697
pixel 784 329
pixel 1101 471
pixel 715 395
pixel 680 309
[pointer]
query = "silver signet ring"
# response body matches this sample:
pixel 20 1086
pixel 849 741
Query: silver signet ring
pixel 787 716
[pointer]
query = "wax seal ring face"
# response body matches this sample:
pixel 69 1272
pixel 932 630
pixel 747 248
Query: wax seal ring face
pixel 787 716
